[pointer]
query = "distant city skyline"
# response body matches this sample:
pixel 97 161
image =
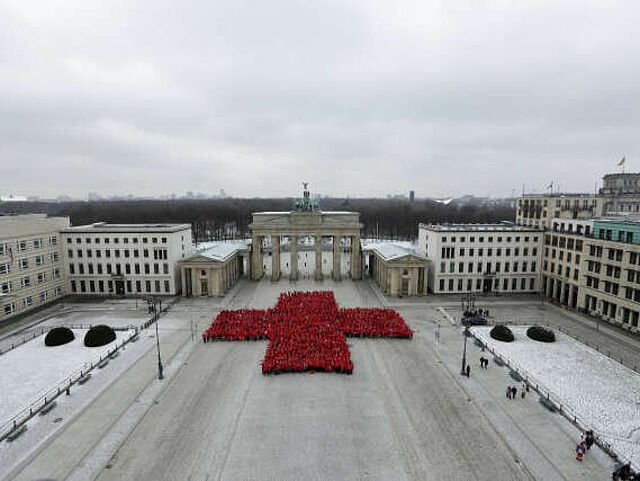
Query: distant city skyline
pixel 362 99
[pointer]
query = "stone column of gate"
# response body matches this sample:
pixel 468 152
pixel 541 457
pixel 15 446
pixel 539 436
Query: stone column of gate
pixel 194 283
pixel 356 262
pixel 318 250
pixel 183 279
pixel 293 262
pixel 337 261
pixel 256 257
pixel 275 257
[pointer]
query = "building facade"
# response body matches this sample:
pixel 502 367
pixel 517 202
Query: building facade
pixel 125 259
pixel 489 258
pixel 563 260
pixel 621 193
pixel 539 210
pixel 214 269
pixel 397 269
pixel 32 267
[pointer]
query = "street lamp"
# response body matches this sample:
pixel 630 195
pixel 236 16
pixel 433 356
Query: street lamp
pixel 156 318
pixel 464 351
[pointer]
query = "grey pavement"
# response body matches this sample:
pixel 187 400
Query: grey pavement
pixel 544 441
pixel 399 416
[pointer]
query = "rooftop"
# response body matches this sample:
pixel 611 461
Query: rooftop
pixel 502 227
pixel 390 250
pixel 103 227
pixel 219 251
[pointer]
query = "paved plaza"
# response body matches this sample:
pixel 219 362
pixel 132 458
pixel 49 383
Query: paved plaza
pixel 404 413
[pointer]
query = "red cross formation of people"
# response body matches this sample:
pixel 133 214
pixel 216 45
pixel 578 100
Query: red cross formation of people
pixel 307 331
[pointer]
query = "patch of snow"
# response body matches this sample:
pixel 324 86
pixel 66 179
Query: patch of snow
pixel 31 370
pixel 603 394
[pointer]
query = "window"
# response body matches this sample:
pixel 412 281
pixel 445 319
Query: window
pixel 165 268
pixel 164 240
pixel 79 251
pixel 53 240
pixel 5 269
pixel 451 284
pixel 100 269
pixel 57 291
pixel 137 268
pixel 80 268
pixel 37 243
pixel 55 273
pixel 148 271
pixel 167 286
pixel 90 267
pixel 42 277
pixel 101 286
pixel 145 240
pixel 74 287
pixel 22 246
pixel 127 268
pixel 89 253
pixel 157 286
pixel 5 288
pixel 70 254
pixel 39 260
pixel 44 295
pixel 72 269
pixel 25 281
pixel 9 308
pixel 27 301
pixel 442 284
pixel 55 257
pixel 24 263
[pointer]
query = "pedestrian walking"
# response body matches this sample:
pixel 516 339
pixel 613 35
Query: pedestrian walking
pixel 508 392
pixel 514 392
pixel 468 370
pixel 524 390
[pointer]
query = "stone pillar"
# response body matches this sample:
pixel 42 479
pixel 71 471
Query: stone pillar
pixel 194 282
pixel 183 279
pixel 275 257
pixel 356 262
pixel 318 250
pixel 256 257
pixel 293 263
pixel 337 260
pixel 549 292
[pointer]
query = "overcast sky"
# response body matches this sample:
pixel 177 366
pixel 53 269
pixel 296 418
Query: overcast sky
pixel 360 98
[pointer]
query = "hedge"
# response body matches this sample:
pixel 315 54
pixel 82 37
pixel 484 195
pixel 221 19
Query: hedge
pixel 59 336
pixel 541 334
pixel 502 333
pixel 99 336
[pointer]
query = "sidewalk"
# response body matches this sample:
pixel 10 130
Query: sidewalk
pixel 544 441
pixel 58 458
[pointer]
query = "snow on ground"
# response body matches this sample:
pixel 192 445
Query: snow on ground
pixel 43 428
pixel 29 371
pixel 602 393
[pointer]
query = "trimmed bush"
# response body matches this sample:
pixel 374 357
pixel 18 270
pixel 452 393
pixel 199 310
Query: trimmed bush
pixel 502 333
pixel 541 334
pixel 99 336
pixel 59 336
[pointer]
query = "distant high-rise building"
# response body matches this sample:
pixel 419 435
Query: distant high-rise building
pixel 412 195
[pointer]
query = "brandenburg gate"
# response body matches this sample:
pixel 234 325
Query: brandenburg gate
pixel 306 220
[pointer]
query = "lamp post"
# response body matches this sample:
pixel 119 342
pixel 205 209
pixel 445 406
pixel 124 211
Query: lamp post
pixel 465 333
pixel 156 316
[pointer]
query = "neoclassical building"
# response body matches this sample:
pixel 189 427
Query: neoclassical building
pixel 281 243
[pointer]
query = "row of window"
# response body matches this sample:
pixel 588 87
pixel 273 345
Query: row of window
pixel 610 309
pixel 118 269
pixel 463 285
pixel 560 254
pixel 7 286
pixel 158 254
pixel 489 267
pixel 128 287
pixel 612 254
pixel 563 242
pixel 27 302
pixel 23 263
pixel 611 271
pixel 450 252
pixel 116 240
pixel 558 270
pixel 23 245
pixel 490 239
pixel 567 203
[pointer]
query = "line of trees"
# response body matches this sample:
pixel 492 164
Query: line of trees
pixel 218 219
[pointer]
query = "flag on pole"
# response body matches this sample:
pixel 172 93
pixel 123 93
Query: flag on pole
pixel 550 186
pixel 622 161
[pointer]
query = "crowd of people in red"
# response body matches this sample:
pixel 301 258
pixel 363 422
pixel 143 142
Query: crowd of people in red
pixel 360 322
pixel 307 331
